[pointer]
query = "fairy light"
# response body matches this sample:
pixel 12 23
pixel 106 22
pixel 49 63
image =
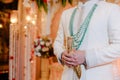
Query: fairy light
pixel 1 26
pixel 28 18
pixel 33 22
pixel 25 27
pixel 14 17
pixel 13 20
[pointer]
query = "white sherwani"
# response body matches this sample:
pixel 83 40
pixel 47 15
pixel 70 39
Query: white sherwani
pixel 101 42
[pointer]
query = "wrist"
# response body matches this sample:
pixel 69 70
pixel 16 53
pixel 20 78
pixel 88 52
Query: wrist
pixel 61 58
pixel 85 63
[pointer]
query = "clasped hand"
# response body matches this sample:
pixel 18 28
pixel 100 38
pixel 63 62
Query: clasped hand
pixel 73 58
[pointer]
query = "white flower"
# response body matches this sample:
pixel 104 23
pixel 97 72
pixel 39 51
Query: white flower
pixel 36 42
pixel 37 53
pixel 37 48
pixel 26 3
pixel 45 49
pixel 40 39
pixel 42 42
pixel 47 44
pixel 41 45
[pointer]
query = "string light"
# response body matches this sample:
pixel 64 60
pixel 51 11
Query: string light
pixel 28 18
pixel 1 26
pixel 25 27
pixel 14 17
pixel 33 22
pixel 13 20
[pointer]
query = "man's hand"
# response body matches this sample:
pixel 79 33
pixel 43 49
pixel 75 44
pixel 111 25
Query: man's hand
pixel 79 57
pixel 73 58
pixel 67 58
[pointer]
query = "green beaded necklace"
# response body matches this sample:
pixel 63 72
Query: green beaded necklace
pixel 79 36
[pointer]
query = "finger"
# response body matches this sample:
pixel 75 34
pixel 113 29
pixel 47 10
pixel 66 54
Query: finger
pixel 67 55
pixel 71 58
pixel 66 58
pixel 70 63
pixel 67 64
pixel 75 56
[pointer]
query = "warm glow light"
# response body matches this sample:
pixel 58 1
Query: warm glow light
pixel 1 26
pixel 33 22
pixel 25 27
pixel 13 20
pixel 28 18
pixel 35 16
pixel 6 1
pixel 14 17
pixel 43 19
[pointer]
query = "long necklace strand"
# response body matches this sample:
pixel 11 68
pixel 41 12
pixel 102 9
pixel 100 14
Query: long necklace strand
pixel 79 36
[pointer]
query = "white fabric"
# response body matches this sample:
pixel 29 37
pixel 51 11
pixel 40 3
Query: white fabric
pixel 101 43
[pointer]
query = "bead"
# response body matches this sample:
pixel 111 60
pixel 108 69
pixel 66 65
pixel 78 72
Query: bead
pixel 79 36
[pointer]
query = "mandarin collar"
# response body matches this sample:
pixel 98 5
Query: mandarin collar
pixel 88 2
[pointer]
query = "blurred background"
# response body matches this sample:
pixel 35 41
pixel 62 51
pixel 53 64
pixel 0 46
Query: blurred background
pixel 6 6
pixel 30 22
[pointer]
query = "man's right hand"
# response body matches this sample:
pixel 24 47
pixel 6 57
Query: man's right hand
pixel 67 58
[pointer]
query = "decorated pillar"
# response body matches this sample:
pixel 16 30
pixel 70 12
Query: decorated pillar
pixel 13 56
pixel 22 63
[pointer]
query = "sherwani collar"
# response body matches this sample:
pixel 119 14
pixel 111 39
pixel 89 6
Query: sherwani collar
pixel 88 3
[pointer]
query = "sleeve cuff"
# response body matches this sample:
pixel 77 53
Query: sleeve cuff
pixel 91 58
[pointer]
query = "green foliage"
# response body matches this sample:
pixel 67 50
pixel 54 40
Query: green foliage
pixel 63 2
pixel 42 3
pixel 70 1
pixel 45 7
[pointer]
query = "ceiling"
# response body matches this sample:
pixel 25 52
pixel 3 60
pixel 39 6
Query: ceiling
pixel 5 8
pixel 8 5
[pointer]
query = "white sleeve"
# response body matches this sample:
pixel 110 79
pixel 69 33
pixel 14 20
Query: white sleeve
pixel 107 54
pixel 59 41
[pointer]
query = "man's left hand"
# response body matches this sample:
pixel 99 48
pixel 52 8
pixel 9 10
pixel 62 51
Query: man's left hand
pixel 78 57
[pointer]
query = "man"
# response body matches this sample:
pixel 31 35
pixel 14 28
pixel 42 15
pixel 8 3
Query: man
pixel 94 26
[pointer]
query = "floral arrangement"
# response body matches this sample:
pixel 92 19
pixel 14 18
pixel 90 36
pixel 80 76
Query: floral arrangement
pixel 43 3
pixel 43 47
